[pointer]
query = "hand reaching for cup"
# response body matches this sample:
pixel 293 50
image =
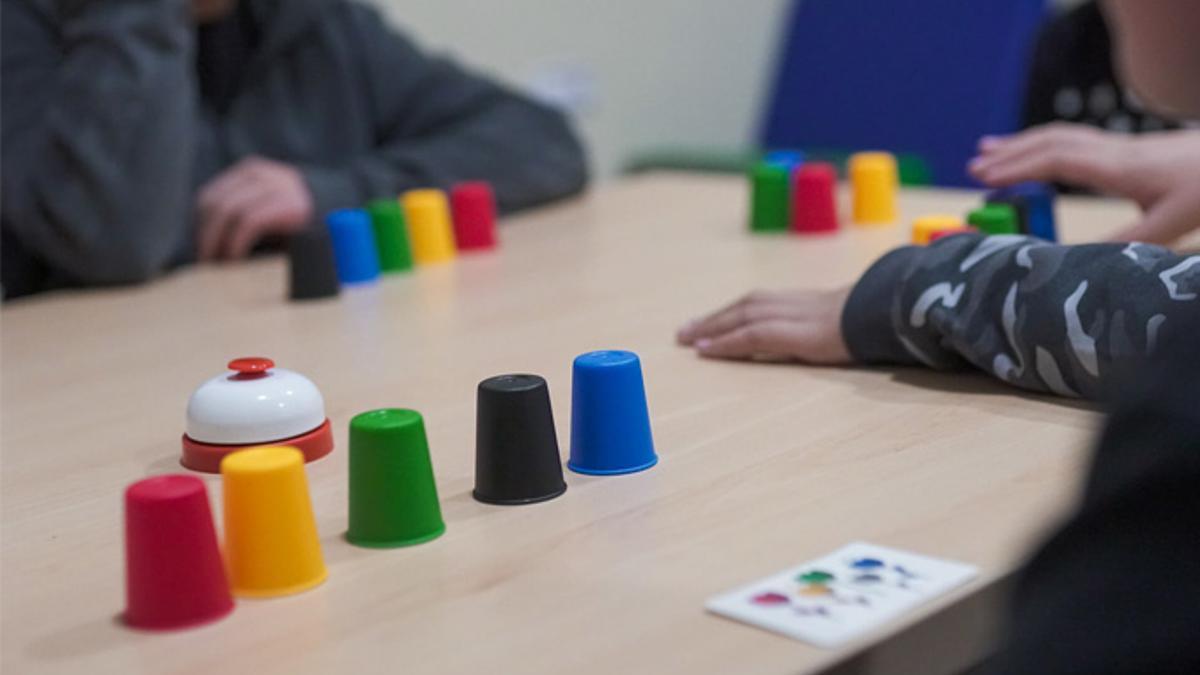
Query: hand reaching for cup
pixel 1160 172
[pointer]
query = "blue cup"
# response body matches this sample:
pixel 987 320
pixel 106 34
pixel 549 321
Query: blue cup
pixel 353 245
pixel 788 159
pixel 1035 205
pixel 610 423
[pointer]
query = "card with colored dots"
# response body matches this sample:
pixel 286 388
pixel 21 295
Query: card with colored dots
pixel 844 595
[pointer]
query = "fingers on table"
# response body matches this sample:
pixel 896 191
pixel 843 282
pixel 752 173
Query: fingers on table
pixel 753 308
pixel 772 338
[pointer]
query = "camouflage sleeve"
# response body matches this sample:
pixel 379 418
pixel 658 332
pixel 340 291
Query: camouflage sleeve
pixel 1051 318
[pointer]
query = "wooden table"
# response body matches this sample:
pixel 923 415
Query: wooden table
pixel 763 466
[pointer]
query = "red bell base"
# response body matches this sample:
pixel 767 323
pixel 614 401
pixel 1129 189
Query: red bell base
pixel 207 457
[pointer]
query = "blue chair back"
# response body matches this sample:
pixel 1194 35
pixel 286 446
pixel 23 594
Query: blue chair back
pixel 926 77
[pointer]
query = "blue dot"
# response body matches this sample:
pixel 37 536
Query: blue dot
pixel 867 563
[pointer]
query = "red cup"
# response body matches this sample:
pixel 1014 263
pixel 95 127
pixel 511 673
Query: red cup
pixel 174 575
pixel 814 210
pixel 946 233
pixel 474 208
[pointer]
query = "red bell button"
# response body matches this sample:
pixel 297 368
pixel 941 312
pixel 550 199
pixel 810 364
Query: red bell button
pixel 251 366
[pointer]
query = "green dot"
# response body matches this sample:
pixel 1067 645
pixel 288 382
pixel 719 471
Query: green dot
pixel 815 577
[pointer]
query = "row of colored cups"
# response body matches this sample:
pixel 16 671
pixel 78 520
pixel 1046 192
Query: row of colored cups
pixel 516 447
pixel 788 193
pixel 422 227
pixel 175 574
pixel 391 235
pixel 1027 208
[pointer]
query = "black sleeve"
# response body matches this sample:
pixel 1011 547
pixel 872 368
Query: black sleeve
pixel 1042 84
pixel 98 106
pixel 439 124
pixel 1115 590
pixel 1051 318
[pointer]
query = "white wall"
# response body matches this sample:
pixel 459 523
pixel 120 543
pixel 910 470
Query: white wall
pixel 639 74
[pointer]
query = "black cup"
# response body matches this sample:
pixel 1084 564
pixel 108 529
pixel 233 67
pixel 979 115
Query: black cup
pixel 313 270
pixel 516 449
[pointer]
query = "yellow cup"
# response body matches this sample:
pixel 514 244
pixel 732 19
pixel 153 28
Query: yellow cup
pixel 874 180
pixel 271 543
pixel 429 226
pixel 926 226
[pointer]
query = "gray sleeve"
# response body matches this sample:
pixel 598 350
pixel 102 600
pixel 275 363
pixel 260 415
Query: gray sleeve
pixel 438 124
pixel 1061 319
pixel 97 123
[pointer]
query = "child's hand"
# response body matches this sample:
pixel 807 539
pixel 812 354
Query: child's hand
pixel 1159 171
pixel 788 325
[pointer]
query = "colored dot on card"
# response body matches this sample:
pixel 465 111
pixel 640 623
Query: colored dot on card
pixel 770 599
pixel 867 563
pixel 816 590
pixel 815 577
pixel 868 579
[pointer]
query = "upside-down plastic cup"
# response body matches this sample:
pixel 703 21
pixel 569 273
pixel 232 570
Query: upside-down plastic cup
pixel 789 159
pixel 814 208
pixel 474 207
pixel 429 227
pixel 311 265
pixel 942 234
pixel 926 226
pixel 516 448
pixel 353 245
pixel 393 497
pixel 874 182
pixel 271 542
pixel 769 186
pixel 610 421
pixel 391 235
pixel 1034 203
pixel 995 219
pixel 174 576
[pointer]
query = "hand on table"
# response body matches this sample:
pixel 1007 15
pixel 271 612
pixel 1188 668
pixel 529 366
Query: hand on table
pixel 785 325
pixel 250 200
pixel 1158 171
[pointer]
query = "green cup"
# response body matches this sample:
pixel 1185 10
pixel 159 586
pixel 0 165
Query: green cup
pixel 393 498
pixel 995 219
pixel 391 235
pixel 770 192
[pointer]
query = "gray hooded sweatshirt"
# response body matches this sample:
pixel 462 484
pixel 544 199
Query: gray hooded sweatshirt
pixel 106 136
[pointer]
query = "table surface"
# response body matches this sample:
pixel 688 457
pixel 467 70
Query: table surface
pixel 762 466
